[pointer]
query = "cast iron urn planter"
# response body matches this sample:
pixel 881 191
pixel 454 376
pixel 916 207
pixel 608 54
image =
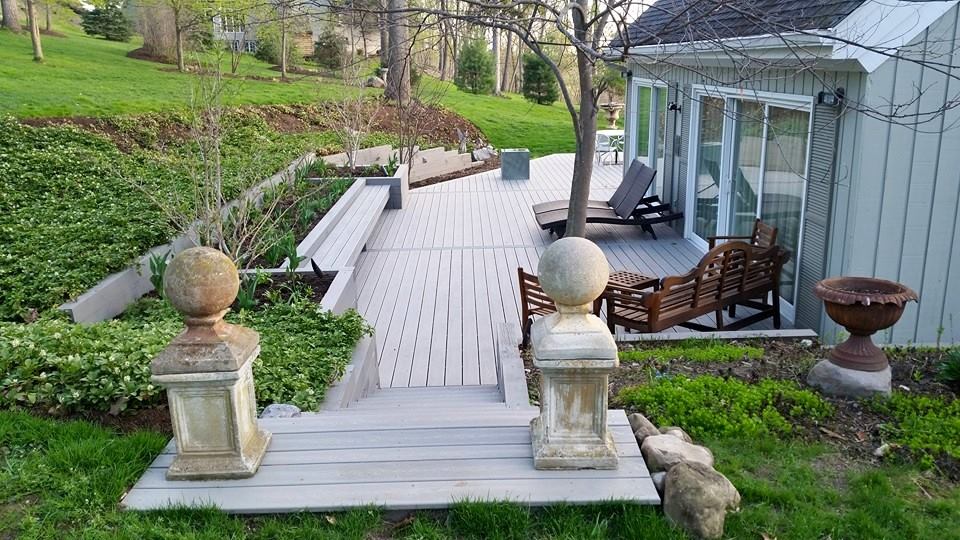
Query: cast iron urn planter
pixel 863 306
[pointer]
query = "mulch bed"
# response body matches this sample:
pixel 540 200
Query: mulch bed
pixel 854 428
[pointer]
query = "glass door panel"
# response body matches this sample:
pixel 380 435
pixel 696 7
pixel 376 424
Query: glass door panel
pixel 746 174
pixel 643 124
pixel 661 101
pixel 709 152
pixel 784 176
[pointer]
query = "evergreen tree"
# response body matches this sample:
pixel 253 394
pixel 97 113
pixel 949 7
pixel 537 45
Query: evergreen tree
pixel 539 82
pixel 475 69
pixel 108 21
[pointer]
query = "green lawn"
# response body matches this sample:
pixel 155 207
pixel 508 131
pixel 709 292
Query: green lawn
pixel 85 76
pixel 64 479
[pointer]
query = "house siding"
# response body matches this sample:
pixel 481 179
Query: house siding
pixel 815 246
pixel 899 220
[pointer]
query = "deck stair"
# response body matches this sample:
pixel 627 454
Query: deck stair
pixel 406 449
pixel 437 162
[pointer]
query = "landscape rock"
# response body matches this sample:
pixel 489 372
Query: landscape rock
pixel 697 498
pixel 642 428
pixel 280 410
pixel 659 480
pixel 834 380
pixel 374 82
pixel 662 452
pixel 676 432
pixel 483 154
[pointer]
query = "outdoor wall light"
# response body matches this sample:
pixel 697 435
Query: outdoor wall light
pixel 674 106
pixel 831 99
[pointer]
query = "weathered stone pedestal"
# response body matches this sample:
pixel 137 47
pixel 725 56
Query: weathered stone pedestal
pixel 207 373
pixel 575 353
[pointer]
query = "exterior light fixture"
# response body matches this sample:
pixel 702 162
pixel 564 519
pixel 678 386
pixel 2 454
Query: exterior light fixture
pixel 831 99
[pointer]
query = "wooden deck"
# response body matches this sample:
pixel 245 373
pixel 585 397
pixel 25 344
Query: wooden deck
pixel 402 458
pixel 439 275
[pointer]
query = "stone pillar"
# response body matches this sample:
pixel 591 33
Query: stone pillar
pixel 575 354
pixel 206 371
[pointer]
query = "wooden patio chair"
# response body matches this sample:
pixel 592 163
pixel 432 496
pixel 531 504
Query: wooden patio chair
pixel 628 206
pixel 533 303
pixel 763 236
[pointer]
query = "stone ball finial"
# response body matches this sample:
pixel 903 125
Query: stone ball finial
pixel 201 283
pixel 573 271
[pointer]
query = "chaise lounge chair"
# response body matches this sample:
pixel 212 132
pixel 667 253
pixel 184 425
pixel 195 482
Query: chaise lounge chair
pixel 627 206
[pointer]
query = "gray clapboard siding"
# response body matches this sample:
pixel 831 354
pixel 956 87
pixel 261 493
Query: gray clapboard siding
pixel 899 220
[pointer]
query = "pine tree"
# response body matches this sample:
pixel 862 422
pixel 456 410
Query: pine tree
pixel 475 69
pixel 539 82
pixel 109 22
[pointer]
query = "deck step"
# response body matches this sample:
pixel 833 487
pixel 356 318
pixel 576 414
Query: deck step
pixel 314 465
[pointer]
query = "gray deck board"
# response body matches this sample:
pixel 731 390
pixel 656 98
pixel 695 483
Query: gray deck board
pixel 327 463
pixel 440 274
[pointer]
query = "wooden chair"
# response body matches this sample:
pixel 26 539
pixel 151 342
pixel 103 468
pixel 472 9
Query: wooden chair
pixel 533 303
pixel 763 236
pixel 733 273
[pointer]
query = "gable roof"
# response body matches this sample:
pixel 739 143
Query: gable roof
pixel 675 21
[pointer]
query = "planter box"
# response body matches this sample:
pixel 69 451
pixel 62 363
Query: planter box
pixel 118 291
pixel 515 164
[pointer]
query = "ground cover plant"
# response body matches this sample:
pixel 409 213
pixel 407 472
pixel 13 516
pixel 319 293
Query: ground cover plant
pixel 696 350
pixel 56 366
pixel 75 206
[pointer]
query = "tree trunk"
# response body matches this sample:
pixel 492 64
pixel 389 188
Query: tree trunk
pixel 181 63
pixel 398 76
pixel 497 80
pixel 384 37
pixel 34 31
pixel 283 41
pixel 586 134
pixel 505 76
pixel 11 19
pixel 46 23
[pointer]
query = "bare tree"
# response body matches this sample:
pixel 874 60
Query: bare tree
pixel 354 115
pixel 11 17
pixel 188 15
pixel 34 31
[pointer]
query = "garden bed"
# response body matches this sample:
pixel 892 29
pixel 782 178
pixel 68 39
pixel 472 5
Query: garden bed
pixel 921 423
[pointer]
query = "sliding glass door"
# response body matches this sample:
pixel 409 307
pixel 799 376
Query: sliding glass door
pixel 650 120
pixel 751 162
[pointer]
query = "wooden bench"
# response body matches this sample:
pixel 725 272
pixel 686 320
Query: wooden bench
pixel 763 235
pixel 733 273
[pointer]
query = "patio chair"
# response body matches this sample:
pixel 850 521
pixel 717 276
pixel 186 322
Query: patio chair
pixel 533 303
pixel 763 236
pixel 637 172
pixel 606 145
pixel 632 209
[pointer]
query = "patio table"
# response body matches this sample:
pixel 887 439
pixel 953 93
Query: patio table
pixel 624 279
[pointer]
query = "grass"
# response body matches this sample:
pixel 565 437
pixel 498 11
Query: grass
pixel 85 76
pixel 695 350
pixel 63 480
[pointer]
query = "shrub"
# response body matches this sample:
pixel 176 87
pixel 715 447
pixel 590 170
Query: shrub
pixel 475 69
pixel 927 426
pixel 330 50
pixel 949 370
pixel 696 350
pixel 108 21
pixel 709 406
pixel 63 366
pixel 268 46
pixel 539 81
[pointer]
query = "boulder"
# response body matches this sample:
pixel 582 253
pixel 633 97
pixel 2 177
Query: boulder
pixel 697 498
pixel 280 410
pixel 676 432
pixel 483 154
pixel 834 380
pixel 662 452
pixel 659 479
pixel 642 428
pixel 374 82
